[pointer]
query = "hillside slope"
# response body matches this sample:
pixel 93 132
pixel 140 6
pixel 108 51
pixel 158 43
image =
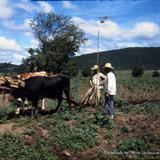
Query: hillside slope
pixel 128 58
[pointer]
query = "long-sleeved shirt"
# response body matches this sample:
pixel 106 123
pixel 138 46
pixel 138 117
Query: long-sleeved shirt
pixel 110 84
pixel 97 80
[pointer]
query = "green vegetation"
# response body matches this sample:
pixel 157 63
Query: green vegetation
pixel 132 145
pixel 16 147
pixel 156 73
pixel 123 59
pixel 87 132
pixel 137 72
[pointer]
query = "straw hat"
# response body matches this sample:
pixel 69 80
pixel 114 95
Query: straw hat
pixel 95 67
pixel 108 65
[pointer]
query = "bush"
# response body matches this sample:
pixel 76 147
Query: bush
pixel 78 138
pixel 156 74
pixel 102 121
pixel 137 72
pixel 13 147
pixel 132 145
pixel 85 73
pixel 125 129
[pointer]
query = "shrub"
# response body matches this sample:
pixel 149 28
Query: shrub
pixel 85 73
pixel 102 120
pixel 156 74
pixel 125 129
pixel 78 138
pixel 13 147
pixel 137 72
pixel 120 102
pixel 132 145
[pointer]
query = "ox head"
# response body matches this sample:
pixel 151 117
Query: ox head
pixel 13 83
pixel 16 87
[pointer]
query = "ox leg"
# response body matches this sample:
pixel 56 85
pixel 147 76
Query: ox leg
pixel 59 103
pixel 43 107
pixel 66 91
pixel 19 104
pixel 34 108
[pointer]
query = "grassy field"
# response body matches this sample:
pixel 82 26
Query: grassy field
pixel 87 133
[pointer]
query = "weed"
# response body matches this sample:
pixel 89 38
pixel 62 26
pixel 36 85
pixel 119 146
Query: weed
pixel 13 147
pixel 132 145
pixel 77 138
pixel 102 120
pixel 125 129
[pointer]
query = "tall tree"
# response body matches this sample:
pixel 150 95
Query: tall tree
pixel 59 39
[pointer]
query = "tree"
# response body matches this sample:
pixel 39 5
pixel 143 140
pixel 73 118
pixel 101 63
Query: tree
pixel 137 71
pixel 155 73
pixel 59 39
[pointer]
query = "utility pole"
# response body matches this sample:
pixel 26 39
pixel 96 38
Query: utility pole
pixel 102 20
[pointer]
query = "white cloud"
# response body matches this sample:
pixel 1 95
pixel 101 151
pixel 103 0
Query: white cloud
pixel 34 43
pixel 5 10
pixel 10 24
pixel 69 5
pixel 143 29
pixel 28 34
pixel 46 7
pixel 11 51
pixel 10 57
pixel 25 5
pixel 9 44
pixel 111 30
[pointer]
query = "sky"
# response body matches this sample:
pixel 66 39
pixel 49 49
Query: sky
pixel 130 23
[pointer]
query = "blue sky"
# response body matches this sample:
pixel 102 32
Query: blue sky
pixel 131 23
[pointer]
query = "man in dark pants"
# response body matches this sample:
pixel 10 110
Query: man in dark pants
pixel 110 89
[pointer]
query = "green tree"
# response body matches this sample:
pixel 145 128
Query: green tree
pixel 59 39
pixel 137 71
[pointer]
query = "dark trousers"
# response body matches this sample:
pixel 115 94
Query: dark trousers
pixel 109 104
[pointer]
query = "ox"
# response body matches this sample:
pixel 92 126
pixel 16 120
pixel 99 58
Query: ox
pixel 39 87
pixel 25 76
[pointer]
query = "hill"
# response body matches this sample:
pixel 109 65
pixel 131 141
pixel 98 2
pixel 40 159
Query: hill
pixel 7 68
pixel 128 58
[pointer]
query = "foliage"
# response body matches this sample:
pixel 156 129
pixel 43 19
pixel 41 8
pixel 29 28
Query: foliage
pixel 156 73
pixel 132 145
pixel 137 72
pixel 85 73
pixel 120 102
pixel 13 147
pixel 71 68
pixel 123 59
pixel 102 120
pixel 150 108
pixel 7 112
pixel 8 68
pixel 76 138
pixel 125 129
pixel 59 39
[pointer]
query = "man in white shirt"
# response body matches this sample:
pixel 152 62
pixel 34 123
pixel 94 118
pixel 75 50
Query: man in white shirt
pixel 110 89
pixel 96 86
pixel 97 79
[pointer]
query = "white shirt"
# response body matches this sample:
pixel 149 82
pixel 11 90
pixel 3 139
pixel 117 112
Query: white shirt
pixel 110 84
pixel 97 80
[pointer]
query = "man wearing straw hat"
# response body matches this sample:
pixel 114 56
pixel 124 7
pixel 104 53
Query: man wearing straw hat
pixel 96 86
pixel 97 79
pixel 110 89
